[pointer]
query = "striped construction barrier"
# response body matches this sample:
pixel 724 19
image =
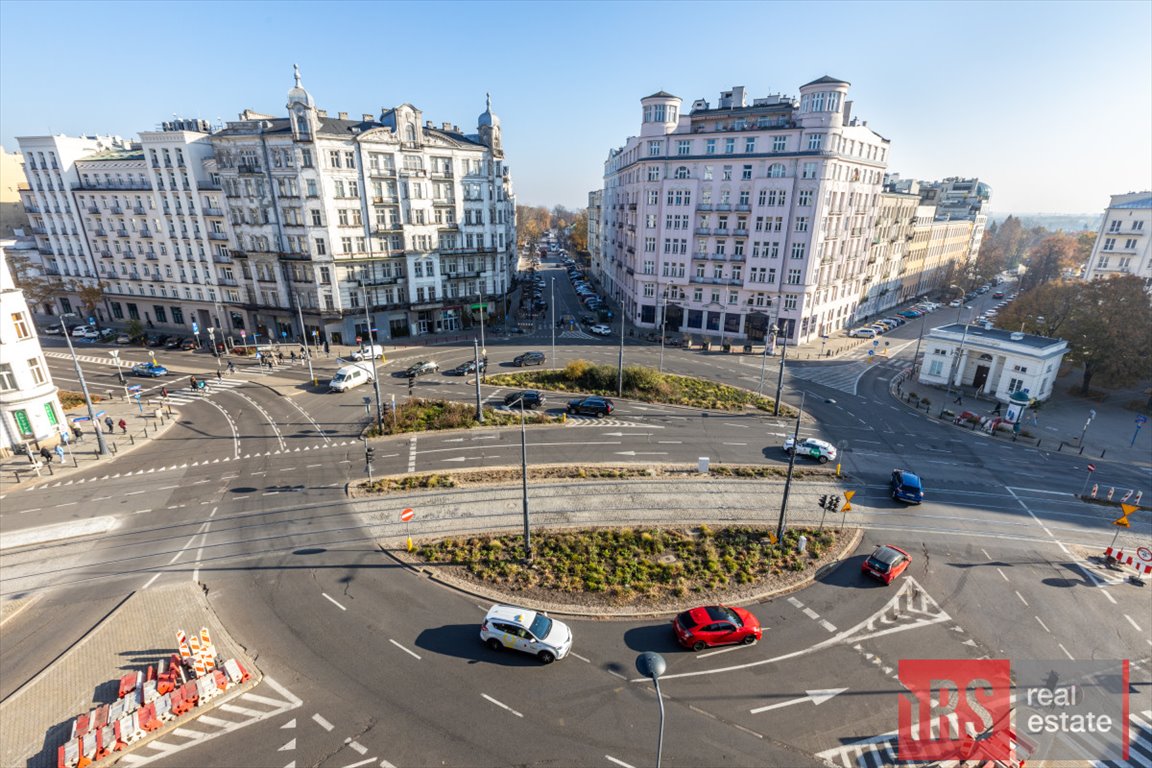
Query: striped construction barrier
pixel 1141 561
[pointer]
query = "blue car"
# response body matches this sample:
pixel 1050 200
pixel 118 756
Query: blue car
pixel 151 370
pixel 907 487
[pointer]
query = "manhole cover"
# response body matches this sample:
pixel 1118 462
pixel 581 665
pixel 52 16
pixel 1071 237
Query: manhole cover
pixel 667 559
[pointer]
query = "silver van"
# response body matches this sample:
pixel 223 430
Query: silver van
pixel 349 377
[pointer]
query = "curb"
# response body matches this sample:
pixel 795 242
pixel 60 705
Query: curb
pixel 472 590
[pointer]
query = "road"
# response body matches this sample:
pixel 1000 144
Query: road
pixel 375 665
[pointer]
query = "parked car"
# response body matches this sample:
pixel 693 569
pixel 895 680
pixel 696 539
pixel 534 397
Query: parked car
pixel 591 406
pixel 907 486
pixel 863 333
pixel 600 330
pixel 173 342
pixel 712 625
pixel 149 370
pixel 819 450
pixel 81 331
pixel 998 295
pixel 123 338
pixel 588 320
pixel 53 330
pixel 532 399
pixel 189 343
pixel 525 630
pixel 886 563
pixel 954 303
pixel 422 367
pixel 367 352
pixel 529 358
pixel 157 340
pixel 910 313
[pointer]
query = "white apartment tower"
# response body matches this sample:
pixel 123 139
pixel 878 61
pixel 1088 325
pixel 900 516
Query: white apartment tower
pixel 735 218
pixel 1122 245
pixel 331 214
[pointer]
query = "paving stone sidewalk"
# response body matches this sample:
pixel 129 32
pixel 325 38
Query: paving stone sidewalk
pixel 37 718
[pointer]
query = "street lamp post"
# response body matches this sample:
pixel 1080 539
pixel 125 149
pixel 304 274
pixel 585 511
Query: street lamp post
pixel 476 358
pixel 524 481
pixel 102 447
pixel 552 306
pixel 212 341
pixel 955 363
pixel 372 357
pixel 769 342
pixel 788 481
pixel 652 665
pixel 620 359
pixel 304 341
pixel 780 376
pixel 916 354
pixel 119 372
pixel 1083 432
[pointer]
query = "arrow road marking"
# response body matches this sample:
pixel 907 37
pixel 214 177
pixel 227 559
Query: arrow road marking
pixel 641 453
pixel 627 434
pixel 816 697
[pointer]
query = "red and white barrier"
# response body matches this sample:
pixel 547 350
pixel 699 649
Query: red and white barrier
pixel 1142 561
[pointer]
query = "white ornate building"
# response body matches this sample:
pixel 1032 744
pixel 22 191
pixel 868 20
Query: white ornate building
pixel 735 216
pixel 29 406
pixel 1122 245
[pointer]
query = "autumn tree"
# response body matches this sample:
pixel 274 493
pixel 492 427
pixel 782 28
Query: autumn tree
pixel 580 231
pixel 38 289
pixel 90 295
pixel 1049 259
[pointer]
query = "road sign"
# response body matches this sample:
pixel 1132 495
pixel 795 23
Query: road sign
pixel 1144 554
pixel 243 333
pixel 1091 467
pixel 847 500
pixel 135 388
pixel 407 515
pixel 195 328
pixel 1141 419
pixel 359 339
pixel 1123 521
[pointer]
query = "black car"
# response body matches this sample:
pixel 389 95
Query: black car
pixel 591 406
pixel 468 367
pixel 173 342
pixel 421 368
pixel 531 398
pixel 157 341
pixel 529 358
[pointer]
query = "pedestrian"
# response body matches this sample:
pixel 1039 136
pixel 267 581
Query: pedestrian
pixel 123 427
pixel 292 356
pixel 108 423
pixel 996 410
pixel 326 351
pixel 46 454
pixel 79 433
pixel 280 355
pixel 164 392
pixel 231 367
pixel 219 376
pixel 959 399
pixel 302 350
pixel 192 382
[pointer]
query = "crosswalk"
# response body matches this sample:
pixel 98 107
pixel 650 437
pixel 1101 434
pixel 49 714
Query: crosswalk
pixel 243 710
pixel 880 751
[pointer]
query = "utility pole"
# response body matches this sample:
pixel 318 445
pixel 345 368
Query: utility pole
pixel 788 480
pixel 552 305
pixel 102 447
pixel 308 352
pixel 372 357
pixel 620 360
pixel 780 377
pixel 476 357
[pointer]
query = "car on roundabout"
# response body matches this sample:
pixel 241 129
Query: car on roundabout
pixel 467 367
pixel 813 448
pixel 600 330
pixel 907 487
pixel 149 370
pixel 527 631
pixel 528 358
pixel 886 563
pixel 421 368
pixel 591 406
pixel 712 625
pixel 531 398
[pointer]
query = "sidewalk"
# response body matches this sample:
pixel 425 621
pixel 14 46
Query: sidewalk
pixel 17 472
pixel 1058 423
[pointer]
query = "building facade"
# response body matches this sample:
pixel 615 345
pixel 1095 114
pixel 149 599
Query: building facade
pixel 295 227
pixel 29 406
pixel 744 216
pixel 994 361
pixel 1122 245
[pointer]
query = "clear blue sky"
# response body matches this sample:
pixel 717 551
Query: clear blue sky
pixel 1049 102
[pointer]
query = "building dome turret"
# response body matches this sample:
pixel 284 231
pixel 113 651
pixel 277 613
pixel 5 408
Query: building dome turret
pixel 488 126
pixel 822 103
pixel 302 111
pixel 661 113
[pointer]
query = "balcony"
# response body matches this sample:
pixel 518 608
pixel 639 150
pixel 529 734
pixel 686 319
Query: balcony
pixel 722 232
pixel 230 281
pixel 151 255
pixel 139 209
pixel 715 280
pixel 217 235
pixel 249 170
pixel 93 209
pixel 743 207
pixel 38 230
pixel 134 184
pixel 207 184
pixel 116 209
pixel 378 280
pixel 122 232
pixel 219 259
pixel 28 208
pixel 703 206
pixel 703 231
pixel 724 207
pixel 386 229
pixel 106 254
pixel 415 173
pixel 740 232
pixel 145 232
pixel 213 212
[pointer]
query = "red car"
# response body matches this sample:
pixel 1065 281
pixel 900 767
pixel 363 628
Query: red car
pixel 711 625
pixel 886 563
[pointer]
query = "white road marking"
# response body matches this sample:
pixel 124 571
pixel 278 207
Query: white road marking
pixel 1021 597
pixel 1002 574
pixel 986 555
pixel 578 656
pixel 620 763
pixel 1043 624
pixel 410 653
pixel 718 651
pixel 1070 656
pixel 238 710
pixel 360 748
pixel 333 601
pixel 321 722
pixel 501 705
pixel 313 466
pixel 149 582
pixel 1133 623
pixel 134 493
pixel 262 699
pixel 362 762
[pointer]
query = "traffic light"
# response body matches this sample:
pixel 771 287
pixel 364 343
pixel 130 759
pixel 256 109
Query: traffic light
pixel 834 504
pixel 411 385
pixel 824 502
pixel 369 454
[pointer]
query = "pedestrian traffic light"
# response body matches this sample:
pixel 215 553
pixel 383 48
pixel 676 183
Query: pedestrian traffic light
pixel 824 502
pixel 411 384
pixel 369 454
pixel 834 504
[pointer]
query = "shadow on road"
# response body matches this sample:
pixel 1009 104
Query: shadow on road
pixel 462 641
pixel 657 637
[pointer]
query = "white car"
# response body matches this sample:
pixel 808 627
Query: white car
pixel 864 333
pixel 954 303
pixel 820 450
pixel 600 330
pixel 523 629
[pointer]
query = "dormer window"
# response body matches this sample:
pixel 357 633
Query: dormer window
pixel 410 133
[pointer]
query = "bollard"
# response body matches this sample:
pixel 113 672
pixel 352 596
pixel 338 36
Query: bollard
pixel 1081 452
pixel 131 439
pixel 1103 452
pixel 1060 447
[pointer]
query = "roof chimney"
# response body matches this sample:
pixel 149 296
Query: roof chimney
pixel 341 115
pixel 366 117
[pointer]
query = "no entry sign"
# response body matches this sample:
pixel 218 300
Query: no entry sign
pixel 1091 467
pixel 407 515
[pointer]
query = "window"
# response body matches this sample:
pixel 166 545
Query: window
pixel 797 250
pixel 727 175
pixel 684 147
pixel 729 146
pixel 707 173
pixel 794 276
pixel 654 173
pixel 1114 226
pixel 936 368
pixel 779 143
pixel 317 220
pixel 334 158
pixel 809 171
pixel 804 197
pixel 7 379
pixel 649 245
pixel 801 223
pixel 20 324
pixel 653 197
pixel 1109 243
pixel 750 144
pixel 790 300
pixel 1130 244
pixel 1015 385
pixel 710 147
pixel 310 188
pixel 682 172
pixel 815 142
pixel 37 371
pixel 161 314
pixel 776 171
pixel 654 148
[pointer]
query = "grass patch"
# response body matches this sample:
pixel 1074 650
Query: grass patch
pixel 627 566
pixel 420 415
pixel 640 383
